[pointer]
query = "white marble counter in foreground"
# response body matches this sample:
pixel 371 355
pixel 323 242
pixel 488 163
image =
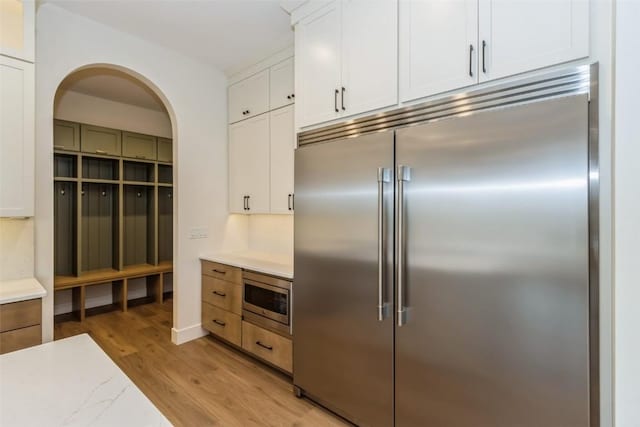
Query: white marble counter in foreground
pixel 20 290
pixel 261 262
pixel 70 382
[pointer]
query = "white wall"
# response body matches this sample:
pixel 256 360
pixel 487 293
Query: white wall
pixel 195 96
pixel 16 248
pixel 82 108
pixel 627 215
pixel 271 233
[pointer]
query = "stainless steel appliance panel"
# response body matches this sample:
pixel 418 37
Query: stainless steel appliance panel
pixel 496 285
pixel 495 271
pixel 342 352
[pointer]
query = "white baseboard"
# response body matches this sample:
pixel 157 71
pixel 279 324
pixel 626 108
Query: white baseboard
pixel 181 336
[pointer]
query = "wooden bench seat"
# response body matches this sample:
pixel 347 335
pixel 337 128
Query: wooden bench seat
pixel 154 275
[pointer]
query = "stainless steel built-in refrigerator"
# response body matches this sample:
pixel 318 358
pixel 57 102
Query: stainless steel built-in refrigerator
pixel 446 260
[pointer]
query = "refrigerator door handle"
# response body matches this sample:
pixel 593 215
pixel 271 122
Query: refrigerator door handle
pixel 404 175
pixel 384 176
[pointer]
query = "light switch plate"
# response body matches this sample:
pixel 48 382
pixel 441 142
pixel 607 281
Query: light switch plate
pixel 198 233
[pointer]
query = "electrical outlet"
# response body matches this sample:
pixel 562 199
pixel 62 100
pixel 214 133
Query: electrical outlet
pixel 198 233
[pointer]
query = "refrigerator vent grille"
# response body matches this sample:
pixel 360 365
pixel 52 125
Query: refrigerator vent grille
pixel 573 81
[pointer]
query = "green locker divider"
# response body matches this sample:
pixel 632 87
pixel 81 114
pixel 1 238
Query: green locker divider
pixel 165 224
pixel 99 226
pixel 65 202
pixel 139 225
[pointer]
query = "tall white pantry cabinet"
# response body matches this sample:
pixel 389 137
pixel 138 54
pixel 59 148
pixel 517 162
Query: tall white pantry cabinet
pixel 262 142
pixel 17 108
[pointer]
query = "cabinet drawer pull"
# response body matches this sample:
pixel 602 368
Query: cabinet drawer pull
pixel 219 322
pixel 101 152
pixel 140 157
pixel 470 60
pixel 220 294
pixel 219 271
pixel 268 347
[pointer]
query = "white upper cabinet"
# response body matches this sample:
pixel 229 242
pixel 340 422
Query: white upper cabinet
pixel 448 45
pixel 523 35
pixel 369 55
pixel 317 45
pixel 282 153
pixel 281 86
pixel 438 46
pixel 17 111
pixel 249 165
pixel 249 97
pixel 17 29
pixel 346 60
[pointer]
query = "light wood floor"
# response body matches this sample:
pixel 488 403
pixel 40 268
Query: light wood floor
pixel 200 383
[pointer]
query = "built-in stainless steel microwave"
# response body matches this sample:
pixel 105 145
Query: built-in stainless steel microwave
pixel 266 302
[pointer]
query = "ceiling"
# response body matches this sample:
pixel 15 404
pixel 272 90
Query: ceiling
pixel 112 85
pixel 228 34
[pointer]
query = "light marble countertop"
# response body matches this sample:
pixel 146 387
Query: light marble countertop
pixel 261 262
pixel 70 382
pixel 20 290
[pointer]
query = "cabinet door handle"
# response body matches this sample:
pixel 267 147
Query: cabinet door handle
pixel 335 100
pixel 288 96
pixel 220 294
pixel 293 95
pixel 219 272
pixel 268 347
pixel 484 47
pixel 248 205
pixel 289 201
pixel 342 98
pixel 244 202
pixel 470 60
pixel 219 322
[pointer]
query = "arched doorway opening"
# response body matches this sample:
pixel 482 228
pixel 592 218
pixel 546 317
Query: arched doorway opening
pixel 113 193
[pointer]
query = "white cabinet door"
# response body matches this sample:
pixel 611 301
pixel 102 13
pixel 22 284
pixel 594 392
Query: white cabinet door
pixel 369 55
pixel 524 35
pixel 249 97
pixel 282 150
pixel 438 46
pixel 249 165
pixel 281 88
pixel 17 111
pixel 238 179
pixel 317 44
pixel 17 29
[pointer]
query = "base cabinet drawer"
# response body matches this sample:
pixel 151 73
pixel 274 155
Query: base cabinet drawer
pixel 20 338
pixel 224 295
pixel 267 345
pixel 16 315
pixel 222 323
pixel 222 271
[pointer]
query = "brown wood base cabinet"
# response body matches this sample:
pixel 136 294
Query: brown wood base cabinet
pixel 222 316
pixel 20 325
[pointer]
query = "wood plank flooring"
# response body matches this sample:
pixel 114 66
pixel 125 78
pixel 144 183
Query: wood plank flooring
pixel 200 383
